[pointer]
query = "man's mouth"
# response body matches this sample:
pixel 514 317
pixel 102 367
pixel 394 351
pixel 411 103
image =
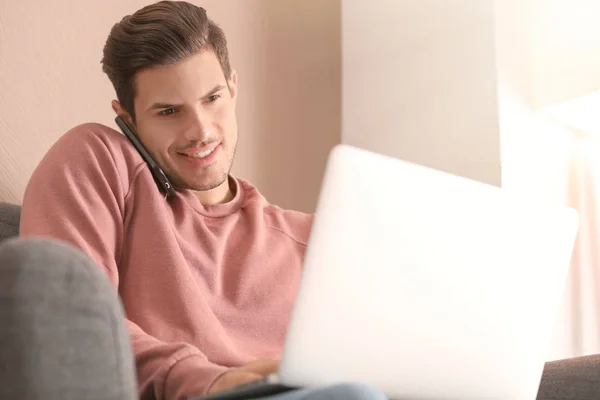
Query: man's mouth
pixel 202 154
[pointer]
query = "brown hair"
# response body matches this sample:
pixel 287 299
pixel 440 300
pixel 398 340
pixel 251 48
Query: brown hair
pixel 157 35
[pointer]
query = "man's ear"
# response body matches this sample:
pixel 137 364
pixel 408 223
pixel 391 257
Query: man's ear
pixel 232 83
pixel 120 111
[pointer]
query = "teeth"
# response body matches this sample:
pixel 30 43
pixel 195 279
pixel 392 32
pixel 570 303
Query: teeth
pixel 202 154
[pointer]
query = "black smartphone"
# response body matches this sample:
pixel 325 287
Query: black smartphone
pixel 159 176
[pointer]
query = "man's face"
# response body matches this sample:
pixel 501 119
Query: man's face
pixel 185 117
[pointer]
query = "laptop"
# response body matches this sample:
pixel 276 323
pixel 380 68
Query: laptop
pixel 425 284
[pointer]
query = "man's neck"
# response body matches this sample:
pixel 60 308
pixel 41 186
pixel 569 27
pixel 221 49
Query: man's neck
pixel 219 195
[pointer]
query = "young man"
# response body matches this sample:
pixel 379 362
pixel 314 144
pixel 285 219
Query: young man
pixel 208 275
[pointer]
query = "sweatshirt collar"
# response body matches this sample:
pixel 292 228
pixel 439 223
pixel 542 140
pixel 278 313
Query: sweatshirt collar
pixel 218 210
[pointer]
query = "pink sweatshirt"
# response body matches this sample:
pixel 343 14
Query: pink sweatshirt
pixel 204 288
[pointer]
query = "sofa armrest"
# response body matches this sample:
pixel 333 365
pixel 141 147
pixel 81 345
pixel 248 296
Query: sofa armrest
pixel 571 379
pixel 10 215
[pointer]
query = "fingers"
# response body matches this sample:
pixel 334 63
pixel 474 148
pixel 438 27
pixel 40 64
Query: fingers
pixel 233 378
pixel 252 371
pixel 262 367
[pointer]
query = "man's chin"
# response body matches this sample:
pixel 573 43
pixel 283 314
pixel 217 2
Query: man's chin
pixel 205 185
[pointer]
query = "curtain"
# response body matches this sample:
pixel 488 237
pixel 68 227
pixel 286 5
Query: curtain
pixel 580 322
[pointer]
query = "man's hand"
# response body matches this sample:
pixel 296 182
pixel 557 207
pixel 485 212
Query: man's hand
pixel 252 371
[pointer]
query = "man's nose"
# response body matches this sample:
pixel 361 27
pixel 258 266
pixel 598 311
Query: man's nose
pixel 198 127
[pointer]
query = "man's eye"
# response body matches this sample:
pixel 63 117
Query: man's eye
pixel 213 97
pixel 167 111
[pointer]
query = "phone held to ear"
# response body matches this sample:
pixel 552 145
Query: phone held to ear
pixel 160 177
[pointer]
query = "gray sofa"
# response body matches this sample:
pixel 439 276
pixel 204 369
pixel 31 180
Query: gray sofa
pixel 571 379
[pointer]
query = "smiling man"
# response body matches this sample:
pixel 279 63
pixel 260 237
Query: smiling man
pixel 207 276
pixel 185 116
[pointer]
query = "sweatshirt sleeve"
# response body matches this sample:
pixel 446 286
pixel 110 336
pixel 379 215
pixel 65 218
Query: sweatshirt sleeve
pixel 77 195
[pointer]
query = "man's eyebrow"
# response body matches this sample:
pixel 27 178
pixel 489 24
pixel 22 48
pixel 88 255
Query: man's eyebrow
pixel 162 106
pixel 216 89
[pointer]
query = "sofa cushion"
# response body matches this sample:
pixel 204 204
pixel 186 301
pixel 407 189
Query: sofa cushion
pixel 10 215
pixel 571 379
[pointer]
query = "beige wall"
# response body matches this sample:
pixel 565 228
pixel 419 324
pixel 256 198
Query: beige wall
pixel 419 83
pixel 564 39
pixel 287 54
pixel 533 148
